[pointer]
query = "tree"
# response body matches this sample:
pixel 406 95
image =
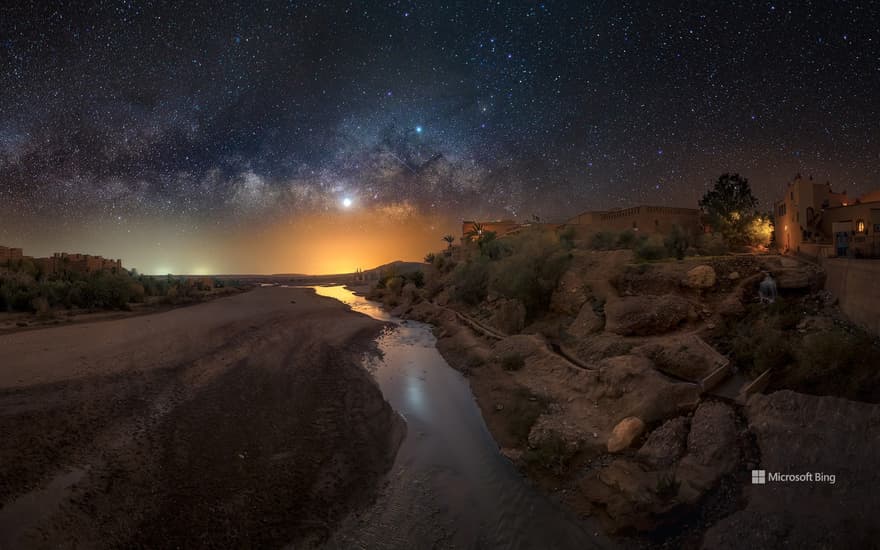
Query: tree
pixel 449 240
pixel 730 207
pixel 475 231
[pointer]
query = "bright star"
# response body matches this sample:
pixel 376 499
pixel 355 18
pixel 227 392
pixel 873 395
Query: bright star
pixel 346 202
pixel 418 129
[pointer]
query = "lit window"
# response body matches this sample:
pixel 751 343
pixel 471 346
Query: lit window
pixel 860 226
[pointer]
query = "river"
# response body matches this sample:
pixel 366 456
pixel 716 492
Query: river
pixel 450 487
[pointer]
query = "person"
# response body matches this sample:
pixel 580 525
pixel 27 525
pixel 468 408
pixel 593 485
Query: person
pixel 767 290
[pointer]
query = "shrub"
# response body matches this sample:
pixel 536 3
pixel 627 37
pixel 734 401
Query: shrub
pixel 553 454
pixel 430 257
pixel 678 241
pixel 512 362
pixel 532 272
pixel 667 486
pixel 415 277
pixel 566 238
pixel 603 240
pixel 712 244
pixel 628 239
pixel 651 249
pixel 394 285
pixel 471 281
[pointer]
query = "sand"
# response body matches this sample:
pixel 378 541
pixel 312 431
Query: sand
pixel 247 421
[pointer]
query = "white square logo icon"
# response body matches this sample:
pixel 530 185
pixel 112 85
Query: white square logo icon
pixel 759 477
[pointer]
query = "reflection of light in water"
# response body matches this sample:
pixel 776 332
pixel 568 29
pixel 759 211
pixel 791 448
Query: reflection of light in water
pixel 355 302
pixel 415 394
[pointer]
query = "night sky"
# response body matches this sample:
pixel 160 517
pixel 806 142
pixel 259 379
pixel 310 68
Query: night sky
pixel 227 136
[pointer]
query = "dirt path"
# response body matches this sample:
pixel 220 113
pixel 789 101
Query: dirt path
pixel 243 422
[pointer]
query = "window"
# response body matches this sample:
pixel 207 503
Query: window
pixel 861 227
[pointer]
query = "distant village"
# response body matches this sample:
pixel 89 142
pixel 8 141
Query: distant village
pixel 62 261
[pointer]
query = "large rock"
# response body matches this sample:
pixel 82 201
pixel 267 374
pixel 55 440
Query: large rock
pixel 666 444
pixel 587 322
pixel 509 316
pixel 631 386
pixel 796 434
pixel 570 294
pixel 712 450
pixel 625 496
pixel 625 432
pixel 686 356
pixel 646 315
pixel 700 277
pixel 794 279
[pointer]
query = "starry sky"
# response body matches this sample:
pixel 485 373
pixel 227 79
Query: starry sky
pixel 313 136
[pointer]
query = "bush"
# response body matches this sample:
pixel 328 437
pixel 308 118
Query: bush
pixel 553 454
pixel 603 240
pixel 532 271
pixel 667 486
pixel 651 249
pixel 512 362
pixel 678 241
pixel 471 281
pixel 628 239
pixel 566 238
pixel 415 277
pixel 712 244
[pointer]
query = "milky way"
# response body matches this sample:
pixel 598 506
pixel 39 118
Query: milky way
pixel 194 113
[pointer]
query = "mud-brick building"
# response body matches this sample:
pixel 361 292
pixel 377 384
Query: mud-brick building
pixel 814 220
pixel 79 263
pixel 642 219
pixel 7 254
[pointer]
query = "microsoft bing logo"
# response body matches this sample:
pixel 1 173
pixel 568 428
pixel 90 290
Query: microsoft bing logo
pixel 759 477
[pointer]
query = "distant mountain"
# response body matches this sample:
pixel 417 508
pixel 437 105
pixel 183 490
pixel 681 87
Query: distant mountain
pixel 400 266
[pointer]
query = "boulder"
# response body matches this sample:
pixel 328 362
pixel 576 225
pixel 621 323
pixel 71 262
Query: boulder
pixel 712 450
pixel 733 275
pixel 793 279
pixel 700 277
pixel 571 293
pixel 686 356
pixel 732 306
pixel 796 434
pixel 625 432
pixel 631 386
pixel 646 315
pixel 587 322
pixel 509 316
pixel 625 496
pixel 666 444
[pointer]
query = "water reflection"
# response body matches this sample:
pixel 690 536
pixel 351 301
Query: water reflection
pixel 449 486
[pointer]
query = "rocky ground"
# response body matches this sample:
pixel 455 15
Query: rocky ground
pixel 617 402
pixel 243 422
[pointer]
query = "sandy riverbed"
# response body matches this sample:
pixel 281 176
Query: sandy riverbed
pixel 242 422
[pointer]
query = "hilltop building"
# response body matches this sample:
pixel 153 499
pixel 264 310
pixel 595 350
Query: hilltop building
pixel 7 254
pixel 814 220
pixel 642 219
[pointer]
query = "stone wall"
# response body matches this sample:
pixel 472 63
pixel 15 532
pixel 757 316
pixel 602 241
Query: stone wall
pixel 854 284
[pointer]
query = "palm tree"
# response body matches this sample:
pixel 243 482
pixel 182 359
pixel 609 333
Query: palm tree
pixel 449 240
pixel 475 231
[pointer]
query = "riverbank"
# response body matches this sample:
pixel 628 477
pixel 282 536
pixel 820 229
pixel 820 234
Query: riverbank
pixel 11 322
pixel 244 421
pixel 610 403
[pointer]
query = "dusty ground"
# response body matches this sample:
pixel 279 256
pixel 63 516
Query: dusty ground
pixel 242 422
pixel 21 321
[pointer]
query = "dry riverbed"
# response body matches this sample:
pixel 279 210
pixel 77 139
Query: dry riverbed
pixel 243 422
